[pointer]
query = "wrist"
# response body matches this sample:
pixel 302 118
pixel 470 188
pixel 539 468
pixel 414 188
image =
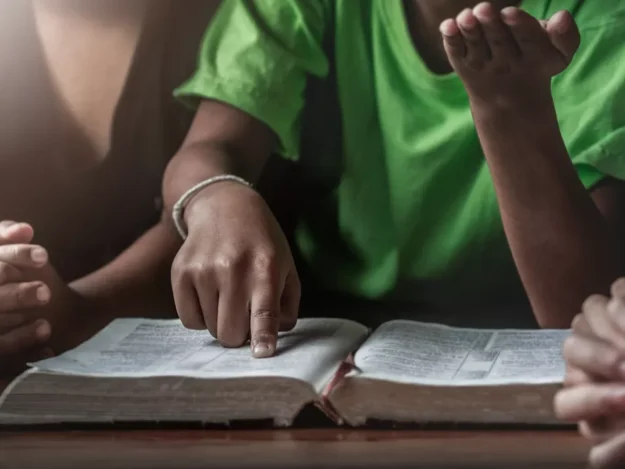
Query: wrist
pixel 513 103
pixel 194 211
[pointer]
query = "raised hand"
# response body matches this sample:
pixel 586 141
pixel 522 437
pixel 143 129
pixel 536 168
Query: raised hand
pixel 498 53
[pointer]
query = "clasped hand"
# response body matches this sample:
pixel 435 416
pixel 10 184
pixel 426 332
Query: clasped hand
pixel 34 301
pixel 594 394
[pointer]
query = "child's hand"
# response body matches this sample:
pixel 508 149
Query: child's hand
pixel 508 54
pixel 234 275
pixel 595 383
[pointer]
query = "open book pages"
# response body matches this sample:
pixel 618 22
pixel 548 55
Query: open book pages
pixel 150 370
pixel 414 372
pixel 155 370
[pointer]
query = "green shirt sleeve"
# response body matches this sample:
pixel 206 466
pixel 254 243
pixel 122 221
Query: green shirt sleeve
pixel 256 56
pixel 590 100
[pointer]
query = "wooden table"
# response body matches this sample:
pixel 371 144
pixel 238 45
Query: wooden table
pixel 198 449
pixel 304 448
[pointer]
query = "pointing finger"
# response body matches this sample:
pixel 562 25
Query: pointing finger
pixel 264 320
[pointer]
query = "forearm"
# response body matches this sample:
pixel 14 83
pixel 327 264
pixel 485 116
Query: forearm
pixel 563 248
pixel 222 140
pixel 199 161
pixel 136 283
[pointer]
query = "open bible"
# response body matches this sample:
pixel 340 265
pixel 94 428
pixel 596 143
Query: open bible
pixel 138 370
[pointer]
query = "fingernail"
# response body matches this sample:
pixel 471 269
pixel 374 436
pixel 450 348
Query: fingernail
pixel 262 350
pixel 43 293
pixel 39 255
pixel 43 330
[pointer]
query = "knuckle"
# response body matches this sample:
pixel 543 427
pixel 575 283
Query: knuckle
pixel 265 313
pixel 199 271
pixel 228 262
pixel 15 251
pixel 178 268
pixel 265 261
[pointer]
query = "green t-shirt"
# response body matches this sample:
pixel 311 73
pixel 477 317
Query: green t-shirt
pixel 414 209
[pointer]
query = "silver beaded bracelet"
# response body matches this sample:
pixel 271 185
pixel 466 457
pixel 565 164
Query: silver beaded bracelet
pixel 178 211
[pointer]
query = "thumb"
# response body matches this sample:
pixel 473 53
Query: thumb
pixel 564 34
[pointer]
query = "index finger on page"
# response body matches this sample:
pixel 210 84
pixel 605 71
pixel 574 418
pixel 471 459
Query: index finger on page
pixel 264 321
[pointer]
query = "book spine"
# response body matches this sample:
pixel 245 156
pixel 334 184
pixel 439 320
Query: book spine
pixel 324 403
